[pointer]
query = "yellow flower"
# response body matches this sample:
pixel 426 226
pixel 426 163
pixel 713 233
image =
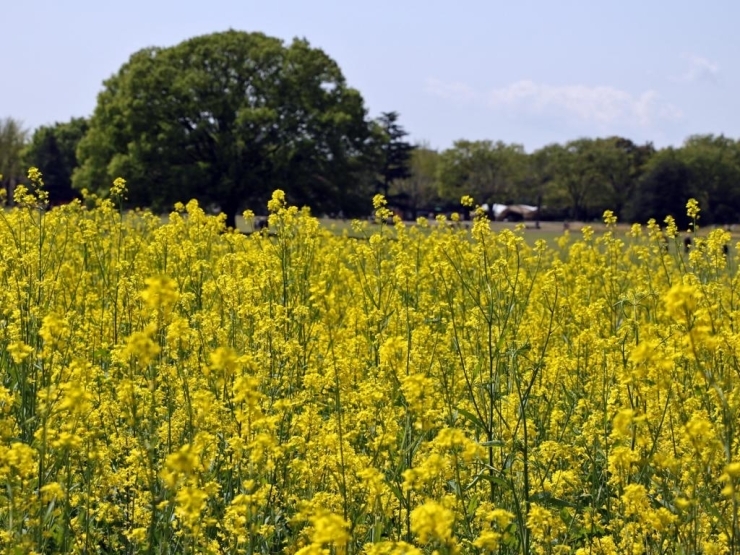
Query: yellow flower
pixel 224 360
pixel 34 175
pixel 391 548
pixel 432 522
pixel 191 501
pixel 19 351
pixel 621 425
pixel 53 330
pixel 692 208
pixel 671 230
pixel 379 201
pixel 118 190
pixel 235 393
pixel 538 520
pixel 277 201
pixel 51 492
pixel 161 293
pixel 488 540
pixel 680 301
pixel 182 463
pixel 142 347
pixel 329 528
pixel 603 545
pixel 635 500
pixel 733 470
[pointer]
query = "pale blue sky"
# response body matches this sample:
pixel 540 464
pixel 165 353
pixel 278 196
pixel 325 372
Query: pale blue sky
pixel 531 72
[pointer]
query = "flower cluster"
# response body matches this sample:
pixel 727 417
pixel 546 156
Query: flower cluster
pixel 171 388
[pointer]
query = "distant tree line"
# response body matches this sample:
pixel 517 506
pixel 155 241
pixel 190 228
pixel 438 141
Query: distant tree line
pixel 227 118
pixel 582 178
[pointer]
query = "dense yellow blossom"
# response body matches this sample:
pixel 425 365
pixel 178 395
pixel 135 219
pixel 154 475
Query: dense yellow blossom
pixel 432 522
pixel 170 387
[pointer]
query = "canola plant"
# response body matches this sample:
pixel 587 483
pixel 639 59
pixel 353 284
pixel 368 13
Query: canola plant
pixel 173 387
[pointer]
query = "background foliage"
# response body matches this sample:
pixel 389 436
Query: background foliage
pixel 228 117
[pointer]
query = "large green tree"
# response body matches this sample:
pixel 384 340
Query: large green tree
pixel 52 150
pixel 713 162
pixel 485 170
pixel 579 180
pixel 419 189
pixel 663 190
pixel 226 118
pixel 621 163
pixel 535 186
pixel 13 138
pixel 394 151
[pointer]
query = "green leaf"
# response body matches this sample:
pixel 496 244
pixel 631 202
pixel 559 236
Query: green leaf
pixel 475 420
pixel 493 443
pixel 548 500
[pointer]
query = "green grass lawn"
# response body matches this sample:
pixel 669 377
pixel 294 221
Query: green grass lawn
pixel 549 231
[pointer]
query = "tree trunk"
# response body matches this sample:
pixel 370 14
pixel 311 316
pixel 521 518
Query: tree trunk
pixel 618 207
pixel 11 191
pixel 230 211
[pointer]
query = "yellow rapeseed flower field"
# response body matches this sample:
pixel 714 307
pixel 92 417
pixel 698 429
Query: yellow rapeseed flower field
pixel 177 388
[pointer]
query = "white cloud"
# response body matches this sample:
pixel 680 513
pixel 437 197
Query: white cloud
pixel 451 91
pixel 591 104
pixel 600 104
pixel 699 69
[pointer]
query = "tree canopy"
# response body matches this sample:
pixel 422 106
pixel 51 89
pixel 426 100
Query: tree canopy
pixel 395 153
pixel 486 170
pixel 226 118
pixel 13 138
pixel 52 150
pixel 419 190
pixel 583 177
pixel 229 117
